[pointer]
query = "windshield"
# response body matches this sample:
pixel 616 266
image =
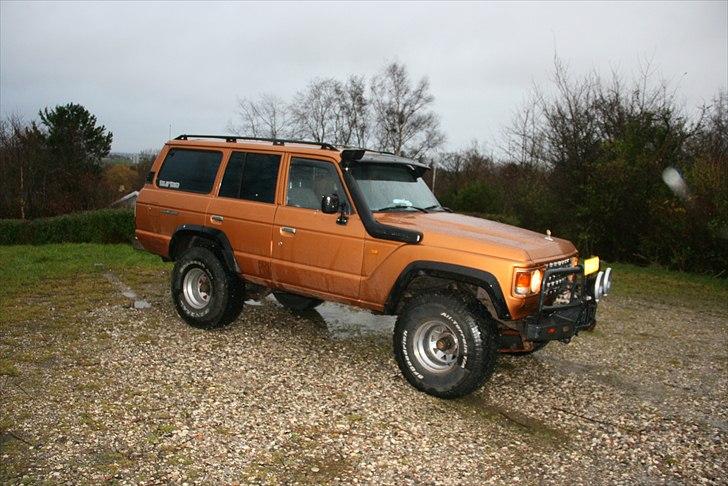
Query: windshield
pixel 393 188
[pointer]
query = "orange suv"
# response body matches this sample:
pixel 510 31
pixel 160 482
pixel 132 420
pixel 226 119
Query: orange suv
pixel 312 222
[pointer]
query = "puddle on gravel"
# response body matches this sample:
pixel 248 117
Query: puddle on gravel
pixel 342 321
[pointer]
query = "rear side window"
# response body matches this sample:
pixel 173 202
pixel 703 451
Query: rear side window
pixel 251 176
pixel 189 170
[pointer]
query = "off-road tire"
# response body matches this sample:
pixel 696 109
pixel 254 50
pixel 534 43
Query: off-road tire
pixel 226 296
pixel 477 343
pixel 296 303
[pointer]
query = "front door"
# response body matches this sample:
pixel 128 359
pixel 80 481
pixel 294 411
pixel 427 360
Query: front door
pixel 312 253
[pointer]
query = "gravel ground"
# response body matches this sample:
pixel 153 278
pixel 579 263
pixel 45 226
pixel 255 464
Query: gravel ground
pixel 93 389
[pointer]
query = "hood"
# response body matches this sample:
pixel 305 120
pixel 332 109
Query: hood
pixel 476 235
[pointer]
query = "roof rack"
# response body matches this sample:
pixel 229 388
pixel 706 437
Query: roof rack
pixel 275 141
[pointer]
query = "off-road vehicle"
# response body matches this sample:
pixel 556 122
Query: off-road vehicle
pixel 312 222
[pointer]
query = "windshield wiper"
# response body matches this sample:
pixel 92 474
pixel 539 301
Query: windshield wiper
pixel 437 206
pixel 401 206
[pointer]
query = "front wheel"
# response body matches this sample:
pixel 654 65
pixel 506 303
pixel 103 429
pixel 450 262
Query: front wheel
pixel 205 294
pixel 445 345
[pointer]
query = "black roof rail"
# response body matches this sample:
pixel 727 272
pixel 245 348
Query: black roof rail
pixel 275 141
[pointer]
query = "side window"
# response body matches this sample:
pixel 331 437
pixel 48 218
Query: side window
pixel 189 170
pixel 309 181
pixel 251 176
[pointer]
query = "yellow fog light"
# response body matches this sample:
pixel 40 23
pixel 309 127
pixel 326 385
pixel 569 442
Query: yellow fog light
pixel 591 265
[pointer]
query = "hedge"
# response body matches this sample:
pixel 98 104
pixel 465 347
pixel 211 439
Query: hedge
pixel 102 226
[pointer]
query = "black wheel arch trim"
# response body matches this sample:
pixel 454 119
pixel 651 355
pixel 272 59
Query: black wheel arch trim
pixel 213 234
pixel 372 226
pixel 481 278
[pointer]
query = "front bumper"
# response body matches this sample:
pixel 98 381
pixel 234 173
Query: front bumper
pixel 571 308
pixel 562 324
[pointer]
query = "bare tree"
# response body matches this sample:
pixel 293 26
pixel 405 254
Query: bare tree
pixel 328 110
pixel 524 140
pixel 13 166
pixel 354 112
pixel 403 120
pixel 268 116
pixel 317 112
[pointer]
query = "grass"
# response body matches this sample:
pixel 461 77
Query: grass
pixel 7 368
pixel 478 409
pixel 25 266
pixel 669 287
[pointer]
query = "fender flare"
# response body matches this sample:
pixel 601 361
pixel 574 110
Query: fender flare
pixel 213 234
pixel 481 278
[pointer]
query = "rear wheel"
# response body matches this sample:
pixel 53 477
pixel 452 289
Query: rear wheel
pixel 445 345
pixel 296 303
pixel 204 292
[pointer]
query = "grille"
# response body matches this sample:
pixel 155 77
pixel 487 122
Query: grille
pixel 555 284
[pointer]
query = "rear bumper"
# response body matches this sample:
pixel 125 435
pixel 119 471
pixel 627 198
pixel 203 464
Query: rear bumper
pixel 137 245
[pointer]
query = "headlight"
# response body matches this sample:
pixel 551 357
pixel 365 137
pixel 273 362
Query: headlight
pixel 536 278
pixel 527 282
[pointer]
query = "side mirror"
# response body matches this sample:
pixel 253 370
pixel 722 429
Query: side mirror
pixel 330 204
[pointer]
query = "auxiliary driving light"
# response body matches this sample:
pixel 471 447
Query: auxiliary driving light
pixel 598 286
pixel 607 281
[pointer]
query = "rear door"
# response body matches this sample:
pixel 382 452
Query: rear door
pixel 312 253
pixel 179 195
pixel 245 207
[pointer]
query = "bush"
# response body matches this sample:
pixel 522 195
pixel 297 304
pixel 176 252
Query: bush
pixel 102 226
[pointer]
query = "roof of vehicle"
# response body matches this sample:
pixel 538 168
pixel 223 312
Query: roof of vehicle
pixel 301 146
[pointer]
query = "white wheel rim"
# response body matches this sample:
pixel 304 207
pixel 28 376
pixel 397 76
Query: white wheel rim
pixel 197 288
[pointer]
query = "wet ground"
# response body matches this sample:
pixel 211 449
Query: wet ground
pixel 94 388
pixel 342 321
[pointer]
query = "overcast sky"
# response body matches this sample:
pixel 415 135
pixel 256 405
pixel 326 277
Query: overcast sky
pixel 139 67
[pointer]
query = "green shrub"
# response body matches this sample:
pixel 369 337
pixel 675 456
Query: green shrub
pixel 477 197
pixel 102 226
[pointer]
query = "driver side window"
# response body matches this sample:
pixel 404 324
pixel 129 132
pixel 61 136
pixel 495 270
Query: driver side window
pixel 309 181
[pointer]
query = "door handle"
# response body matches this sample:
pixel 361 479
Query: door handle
pixel 217 218
pixel 288 229
pixel 169 211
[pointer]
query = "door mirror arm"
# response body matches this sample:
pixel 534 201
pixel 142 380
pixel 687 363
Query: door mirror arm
pixel 343 214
